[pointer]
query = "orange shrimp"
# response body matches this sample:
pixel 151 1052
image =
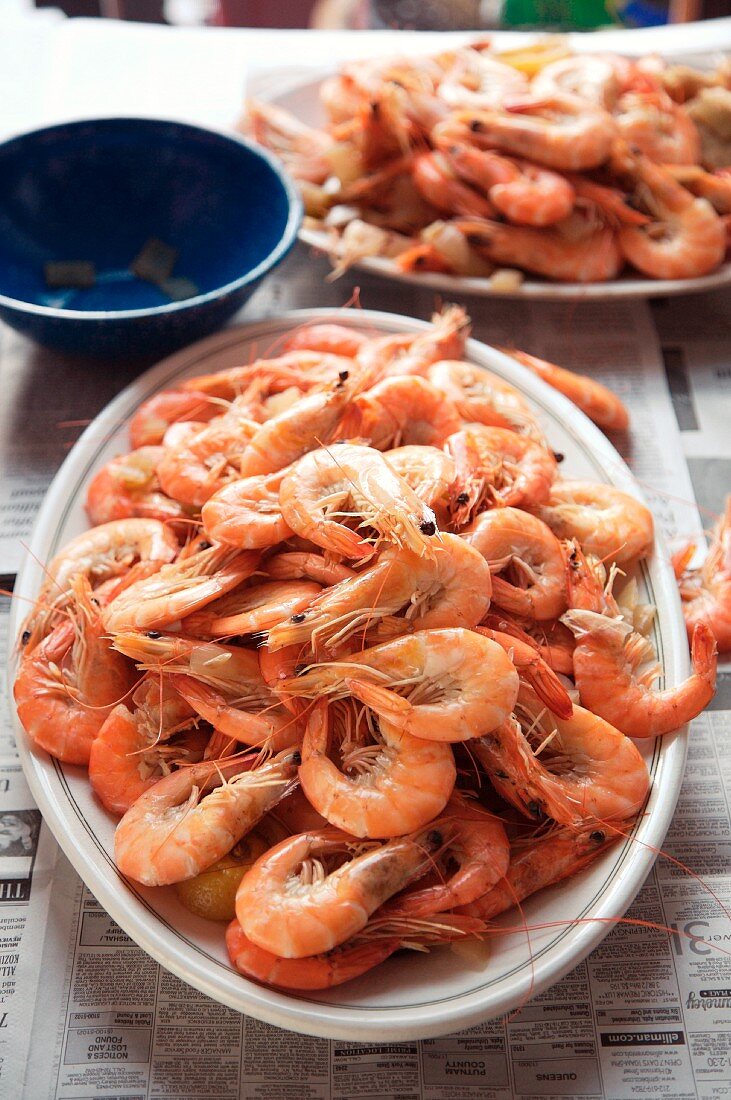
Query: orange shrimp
pixel 707 595
pixel 511 537
pixel 179 589
pixel 484 398
pixel 388 783
pixel 409 353
pixel 246 512
pixel 348 481
pixel 251 610
pixel 525 193
pixel 355 957
pixel 68 684
pixel 128 487
pixel 532 667
pixel 402 410
pixel 599 403
pixel 608 523
pixel 477 843
pixel 193 817
pixel 439 185
pixel 290 904
pixel 331 338
pixel 452 588
pixel 153 418
pixel 443 685
pixel 134 748
pixel 607 660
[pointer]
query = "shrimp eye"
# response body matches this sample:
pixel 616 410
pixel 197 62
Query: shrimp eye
pixel 299 669
pixel 534 809
pixel 25 638
pixel 299 617
pixel 205 545
pixel 474 239
pixel 463 498
pixel 435 839
pixel 428 527
pixel 597 836
pixel 154 634
pixel 476 126
pixel 344 375
pixel 559 456
pixel 296 759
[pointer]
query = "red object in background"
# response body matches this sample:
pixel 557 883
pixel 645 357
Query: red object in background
pixel 271 13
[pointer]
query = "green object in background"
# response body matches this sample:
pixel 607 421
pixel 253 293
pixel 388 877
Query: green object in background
pixel 556 14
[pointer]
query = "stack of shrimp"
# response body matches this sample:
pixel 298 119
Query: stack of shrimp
pixel 339 606
pixel 478 163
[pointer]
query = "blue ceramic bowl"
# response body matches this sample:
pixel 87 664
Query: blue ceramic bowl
pixel 99 191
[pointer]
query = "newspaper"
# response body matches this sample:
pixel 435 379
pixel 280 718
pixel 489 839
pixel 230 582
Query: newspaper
pixel 83 1011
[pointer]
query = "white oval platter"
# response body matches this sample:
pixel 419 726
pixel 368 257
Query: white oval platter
pixel 411 995
pixel 301 98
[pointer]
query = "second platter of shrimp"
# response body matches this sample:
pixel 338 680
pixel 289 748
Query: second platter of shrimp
pixel 412 996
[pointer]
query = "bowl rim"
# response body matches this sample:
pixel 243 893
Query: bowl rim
pixel 280 250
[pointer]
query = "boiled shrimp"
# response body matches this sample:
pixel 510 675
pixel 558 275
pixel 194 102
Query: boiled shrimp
pixel 136 747
pixel 590 772
pixel 343 481
pixel 128 488
pixel 194 816
pixel 525 193
pixel 452 588
pixel 687 237
pixel 68 684
pixel 251 610
pixel 443 685
pixel 608 523
pixel 153 418
pixel 386 785
pixel 707 595
pixel 101 553
pixel 599 403
pixel 607 669
pixel 555 129
pixel 402 410
pixel 179 589
pixel 246 512
pixel 290 905
pixel 509 537
pixel 483 397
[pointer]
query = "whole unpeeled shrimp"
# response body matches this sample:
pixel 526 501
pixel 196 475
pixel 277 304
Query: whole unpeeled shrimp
pixel 687 237
pixel 707 596
pixel 592 77
pixel 307 423
pixel 331 338
pixel 136 747
pixel 559 130
pixel 402 410
pixel 532 667
pixel 477 81
pixel 385 786
pixel 663 130
pixel 607 660
pixel 540 861
pixel 246 512
pixel 439 185
pixel 525 193
pixel 251 610
pixel 153 418
pixel 598 774
pixel 577 249
pixel 347 480
pixel 179 589
pixel 427 470
pixel 608 523
pixel 444 685
pixel 599 403
pixel 344 963
pixel 290 905
pixel 70 681
pixel 498 466
pixel 127 488
pixel 101 553
pixel 476 842
pixel 483 397
pixel 511 537
pixel 194 816
pixel 451 588
pixel 222 683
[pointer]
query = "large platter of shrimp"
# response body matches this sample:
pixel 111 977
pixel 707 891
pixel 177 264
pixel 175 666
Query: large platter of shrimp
pixel 344 672
pixel 536 172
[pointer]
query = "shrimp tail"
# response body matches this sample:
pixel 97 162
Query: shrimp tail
pixel 704 652
pixel 549 689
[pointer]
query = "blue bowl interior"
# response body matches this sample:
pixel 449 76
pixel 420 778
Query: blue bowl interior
pixel 98 191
